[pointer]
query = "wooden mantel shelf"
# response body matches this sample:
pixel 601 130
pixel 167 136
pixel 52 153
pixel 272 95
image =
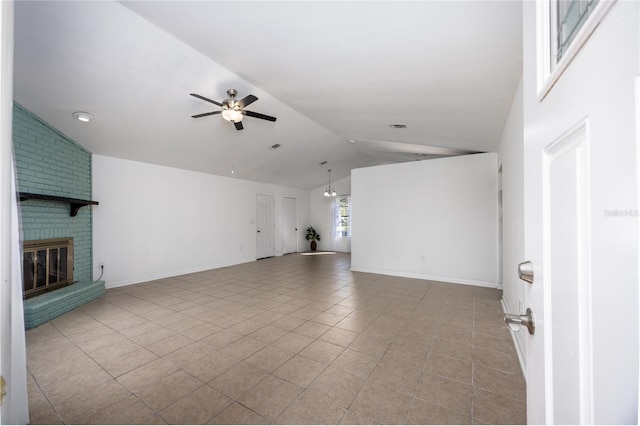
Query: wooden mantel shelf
pixel 75 203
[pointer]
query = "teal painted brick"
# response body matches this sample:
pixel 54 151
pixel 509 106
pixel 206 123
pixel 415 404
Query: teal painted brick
pixel 48 306
pixel 48 162
pixel 38 144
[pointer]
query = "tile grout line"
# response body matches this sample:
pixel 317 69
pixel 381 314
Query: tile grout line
pixel 296 291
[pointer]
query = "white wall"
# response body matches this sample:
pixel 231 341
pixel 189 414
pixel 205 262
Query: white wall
pixel 511 158
pixel 322 215
pixel 156 221
pixel 433 219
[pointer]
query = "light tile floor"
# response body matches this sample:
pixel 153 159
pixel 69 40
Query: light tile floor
pixel 289 340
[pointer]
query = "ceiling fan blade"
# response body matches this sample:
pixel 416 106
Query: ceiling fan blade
pixel 238 125
pixel 258 115
pixel 205 114
pixel 205 99
pixel 247 100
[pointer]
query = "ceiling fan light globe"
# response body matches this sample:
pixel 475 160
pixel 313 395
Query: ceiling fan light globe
pixel 232 115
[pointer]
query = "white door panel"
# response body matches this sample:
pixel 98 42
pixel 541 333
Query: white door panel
pixel 581 227
pixel 289 225
pixel 567 283
pixel 265 226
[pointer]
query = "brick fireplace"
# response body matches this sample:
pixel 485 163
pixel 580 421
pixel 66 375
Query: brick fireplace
pixel 53 174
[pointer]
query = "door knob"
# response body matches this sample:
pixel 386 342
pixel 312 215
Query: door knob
pixel 258 230
pixel 525 271
pixel 518 320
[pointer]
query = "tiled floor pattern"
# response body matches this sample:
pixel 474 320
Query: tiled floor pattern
pixel 289 340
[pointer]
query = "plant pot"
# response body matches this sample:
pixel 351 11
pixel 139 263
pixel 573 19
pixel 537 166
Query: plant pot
pixel 314 246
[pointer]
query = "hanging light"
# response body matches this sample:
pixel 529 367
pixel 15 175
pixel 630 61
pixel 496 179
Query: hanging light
pixel 330 192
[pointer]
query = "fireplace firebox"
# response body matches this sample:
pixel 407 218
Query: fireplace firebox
pixel 47 265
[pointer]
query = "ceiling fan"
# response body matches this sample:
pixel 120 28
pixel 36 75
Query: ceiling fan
pixel 232 109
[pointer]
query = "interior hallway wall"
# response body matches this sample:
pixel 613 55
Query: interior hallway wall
pixel 511 158
pixel 433 219
pixel 156 221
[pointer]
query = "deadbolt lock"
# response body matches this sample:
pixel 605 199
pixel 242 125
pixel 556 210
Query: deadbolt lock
pixel 525 272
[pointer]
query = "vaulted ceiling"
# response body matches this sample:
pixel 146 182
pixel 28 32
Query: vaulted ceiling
pixel 335 74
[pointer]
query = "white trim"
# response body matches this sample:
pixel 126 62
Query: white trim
pixel 148 278
pixel 543 44
pixel 546 76
pixel 429 277
pixel 638 200
pixel 516 343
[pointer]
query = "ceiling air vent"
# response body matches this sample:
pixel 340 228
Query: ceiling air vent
pixel 398 126
pixel 276 146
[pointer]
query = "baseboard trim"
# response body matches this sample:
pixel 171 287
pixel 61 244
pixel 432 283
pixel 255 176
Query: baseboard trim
pixel 148 278
pixel 516 342
pixel 429 277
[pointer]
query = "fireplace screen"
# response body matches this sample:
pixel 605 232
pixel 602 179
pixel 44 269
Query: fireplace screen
pixel 47 264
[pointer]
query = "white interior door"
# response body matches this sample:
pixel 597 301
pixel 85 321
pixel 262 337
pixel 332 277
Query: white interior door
pixel 581 232
pixel 265 226
pixel 289 225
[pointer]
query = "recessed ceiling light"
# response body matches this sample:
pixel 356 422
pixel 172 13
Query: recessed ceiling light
pixel 352 140
pixel 275 146
pixel 323 163
pixel 398 126
pixel 85 117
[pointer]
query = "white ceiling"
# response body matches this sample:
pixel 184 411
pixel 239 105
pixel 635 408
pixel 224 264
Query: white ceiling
pixel 331 72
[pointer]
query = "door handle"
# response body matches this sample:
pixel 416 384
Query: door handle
pixel 3 389
pixel 517 320
pixel 525 271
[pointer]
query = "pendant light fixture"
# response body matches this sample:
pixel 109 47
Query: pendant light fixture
pixel 330 192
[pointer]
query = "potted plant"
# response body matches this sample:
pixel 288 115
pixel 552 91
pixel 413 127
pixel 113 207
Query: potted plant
pixel 312 236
